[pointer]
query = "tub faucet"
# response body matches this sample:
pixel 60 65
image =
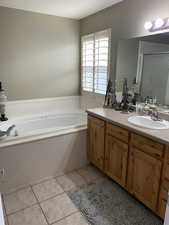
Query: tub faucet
pixel 8 132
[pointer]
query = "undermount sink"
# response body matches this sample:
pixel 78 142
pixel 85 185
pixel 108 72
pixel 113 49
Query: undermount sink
pixel 147 122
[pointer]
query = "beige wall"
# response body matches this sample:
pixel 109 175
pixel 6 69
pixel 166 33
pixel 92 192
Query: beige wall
pixel 126 20
pixel 39 55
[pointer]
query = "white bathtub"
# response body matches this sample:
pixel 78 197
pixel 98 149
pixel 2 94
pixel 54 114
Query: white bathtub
pixel 50 124
pixel 46 146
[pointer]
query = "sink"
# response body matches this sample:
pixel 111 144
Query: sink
pixel 147 122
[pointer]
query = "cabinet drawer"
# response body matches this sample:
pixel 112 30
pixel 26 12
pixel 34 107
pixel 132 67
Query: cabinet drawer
pixel 147 145
pixel 117 132
pixel 95 120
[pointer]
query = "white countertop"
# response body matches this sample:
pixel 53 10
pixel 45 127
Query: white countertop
pixel 121 119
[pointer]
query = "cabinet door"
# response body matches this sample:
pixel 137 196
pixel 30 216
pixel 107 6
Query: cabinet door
pixel 144 177
pixel 96 133
pixel 116 159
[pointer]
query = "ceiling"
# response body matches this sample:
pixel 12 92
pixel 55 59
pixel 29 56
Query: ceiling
pixel 75 9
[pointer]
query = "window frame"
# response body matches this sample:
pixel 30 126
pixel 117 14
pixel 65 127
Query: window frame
pixel 85 92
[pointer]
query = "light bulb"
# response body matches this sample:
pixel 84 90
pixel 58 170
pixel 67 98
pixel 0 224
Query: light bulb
pixel 159 23
pixel 148 25
pixel 167 22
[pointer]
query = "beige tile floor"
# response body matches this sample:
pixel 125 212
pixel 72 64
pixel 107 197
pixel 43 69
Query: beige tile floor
pixel 47 203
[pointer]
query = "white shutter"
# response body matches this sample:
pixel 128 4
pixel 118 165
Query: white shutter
pixel 95 61
pixel 87 62
pixel 101 71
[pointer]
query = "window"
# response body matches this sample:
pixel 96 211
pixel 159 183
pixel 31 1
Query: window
pixel 95 61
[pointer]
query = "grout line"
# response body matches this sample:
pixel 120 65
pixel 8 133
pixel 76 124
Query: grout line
pixel 17 190
pixel 22 209
pixel 54 196
pixel 40 206
pixel 42 181
pixel 65 217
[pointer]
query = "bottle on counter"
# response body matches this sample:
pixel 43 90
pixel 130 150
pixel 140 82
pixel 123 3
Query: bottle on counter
pixel 3 100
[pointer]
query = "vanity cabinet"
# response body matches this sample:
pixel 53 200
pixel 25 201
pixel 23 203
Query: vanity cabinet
pixel 137 163
pixel 96 137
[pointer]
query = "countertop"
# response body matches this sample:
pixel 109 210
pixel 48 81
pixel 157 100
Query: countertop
pixel 121 119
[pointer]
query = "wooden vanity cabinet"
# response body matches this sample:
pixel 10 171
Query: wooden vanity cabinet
pixel 116 153
pixel 137 163
pixel 96 137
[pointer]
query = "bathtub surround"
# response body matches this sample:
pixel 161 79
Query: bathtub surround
pixel 39 55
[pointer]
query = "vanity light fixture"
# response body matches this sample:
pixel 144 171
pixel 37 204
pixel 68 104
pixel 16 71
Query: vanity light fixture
pixel 158 24
pixel 148 25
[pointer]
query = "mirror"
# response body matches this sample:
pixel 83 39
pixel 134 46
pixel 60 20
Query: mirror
pixel 145 63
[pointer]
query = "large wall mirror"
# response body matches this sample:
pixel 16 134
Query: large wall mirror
pixel 145 63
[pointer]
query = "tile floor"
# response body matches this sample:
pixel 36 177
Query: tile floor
pixel 47 203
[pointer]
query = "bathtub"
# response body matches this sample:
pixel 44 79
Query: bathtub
pixel 35 127
pixel 42 146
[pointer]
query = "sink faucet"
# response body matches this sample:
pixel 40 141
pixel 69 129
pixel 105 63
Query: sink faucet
pixel 155 115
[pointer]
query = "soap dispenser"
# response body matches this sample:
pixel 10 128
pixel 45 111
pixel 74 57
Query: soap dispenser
pixel 3 100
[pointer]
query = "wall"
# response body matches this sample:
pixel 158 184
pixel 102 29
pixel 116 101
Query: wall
pixel 126 20
pixel 39 55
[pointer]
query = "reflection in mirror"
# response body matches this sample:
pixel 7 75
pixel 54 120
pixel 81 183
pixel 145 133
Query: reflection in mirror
pixel 145 63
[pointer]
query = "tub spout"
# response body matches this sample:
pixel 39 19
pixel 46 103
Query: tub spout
pixel 9 130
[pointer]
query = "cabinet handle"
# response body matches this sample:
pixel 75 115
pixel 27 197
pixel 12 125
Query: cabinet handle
pixel 157 155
